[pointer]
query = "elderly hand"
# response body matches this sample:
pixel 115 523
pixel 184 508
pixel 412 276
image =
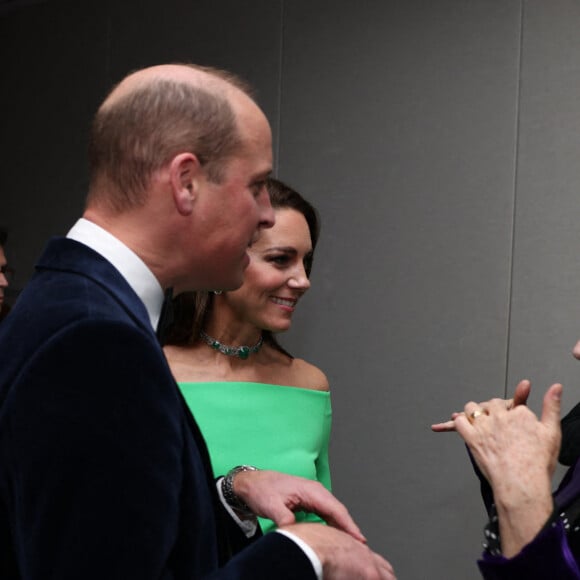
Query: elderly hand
pixel 277 496
pixel 520 397
pixel 342 557
pixel 517 453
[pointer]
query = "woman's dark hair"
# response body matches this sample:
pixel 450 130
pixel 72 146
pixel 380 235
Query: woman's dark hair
pixel 191 309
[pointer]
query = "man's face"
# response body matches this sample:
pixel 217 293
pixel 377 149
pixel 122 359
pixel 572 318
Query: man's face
pixel 3 279
pixel 231 213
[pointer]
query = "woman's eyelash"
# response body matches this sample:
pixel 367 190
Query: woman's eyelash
pixel 280 259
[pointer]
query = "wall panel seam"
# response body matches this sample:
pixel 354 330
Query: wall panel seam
pixel 280 88
pixel 507 388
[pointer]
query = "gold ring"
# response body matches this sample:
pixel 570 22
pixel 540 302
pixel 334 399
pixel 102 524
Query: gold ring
pixel 477 413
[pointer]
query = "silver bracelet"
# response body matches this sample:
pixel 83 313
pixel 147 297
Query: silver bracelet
pixel 233 500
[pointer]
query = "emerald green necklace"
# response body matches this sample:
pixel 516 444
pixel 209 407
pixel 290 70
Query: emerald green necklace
pixel 242 352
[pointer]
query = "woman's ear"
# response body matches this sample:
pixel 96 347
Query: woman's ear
pixel 184 173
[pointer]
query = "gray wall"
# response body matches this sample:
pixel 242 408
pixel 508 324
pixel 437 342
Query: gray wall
pixel 440 141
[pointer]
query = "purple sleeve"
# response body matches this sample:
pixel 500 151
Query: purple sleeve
pixel 546 556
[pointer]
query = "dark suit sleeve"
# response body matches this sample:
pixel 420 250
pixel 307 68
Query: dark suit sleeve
pixel 93 457
pixel 274 556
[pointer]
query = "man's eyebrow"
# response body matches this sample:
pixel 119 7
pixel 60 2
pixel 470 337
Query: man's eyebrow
pixel 264 175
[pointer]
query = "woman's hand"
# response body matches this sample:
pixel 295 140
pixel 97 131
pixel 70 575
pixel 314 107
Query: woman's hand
pixel 520 397
pixel 517 453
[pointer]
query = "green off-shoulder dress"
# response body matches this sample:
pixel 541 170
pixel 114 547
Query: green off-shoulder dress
pixel 270 426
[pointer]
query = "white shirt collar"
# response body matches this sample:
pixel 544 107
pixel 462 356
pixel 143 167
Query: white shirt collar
pixel 129 264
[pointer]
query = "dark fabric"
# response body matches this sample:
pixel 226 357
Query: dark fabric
pixel 570 448
pixel 4 310
pixel 273 557
pixel 546 558
pixel 165 317
pixel 103 470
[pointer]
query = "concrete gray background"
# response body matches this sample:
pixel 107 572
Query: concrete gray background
pixel 440 141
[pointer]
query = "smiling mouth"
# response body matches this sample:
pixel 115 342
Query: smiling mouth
pixel 289 302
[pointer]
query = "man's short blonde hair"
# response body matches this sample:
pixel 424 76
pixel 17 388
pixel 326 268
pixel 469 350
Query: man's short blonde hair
pixel 140 132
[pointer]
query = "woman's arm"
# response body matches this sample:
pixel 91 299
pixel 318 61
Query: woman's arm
pixel 517 454
pixel 322 466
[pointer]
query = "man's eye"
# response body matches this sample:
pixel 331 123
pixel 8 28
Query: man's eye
pixel 258 186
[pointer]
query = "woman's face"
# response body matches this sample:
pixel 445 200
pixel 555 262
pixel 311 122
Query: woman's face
pixel 275 278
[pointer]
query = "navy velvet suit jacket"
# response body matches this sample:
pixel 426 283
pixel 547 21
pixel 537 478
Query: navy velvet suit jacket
pixel 103 471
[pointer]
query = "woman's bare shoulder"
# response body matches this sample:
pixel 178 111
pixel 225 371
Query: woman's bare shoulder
pixel 308 376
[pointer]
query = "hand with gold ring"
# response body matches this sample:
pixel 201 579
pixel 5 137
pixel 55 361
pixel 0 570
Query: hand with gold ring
pixel 516 452
pixel 477 413
pixel 521 393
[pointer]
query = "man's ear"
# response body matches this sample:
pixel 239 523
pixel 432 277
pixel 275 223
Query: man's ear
pixel 184 175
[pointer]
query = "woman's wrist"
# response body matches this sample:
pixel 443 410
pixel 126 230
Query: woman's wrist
pixel 522 514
